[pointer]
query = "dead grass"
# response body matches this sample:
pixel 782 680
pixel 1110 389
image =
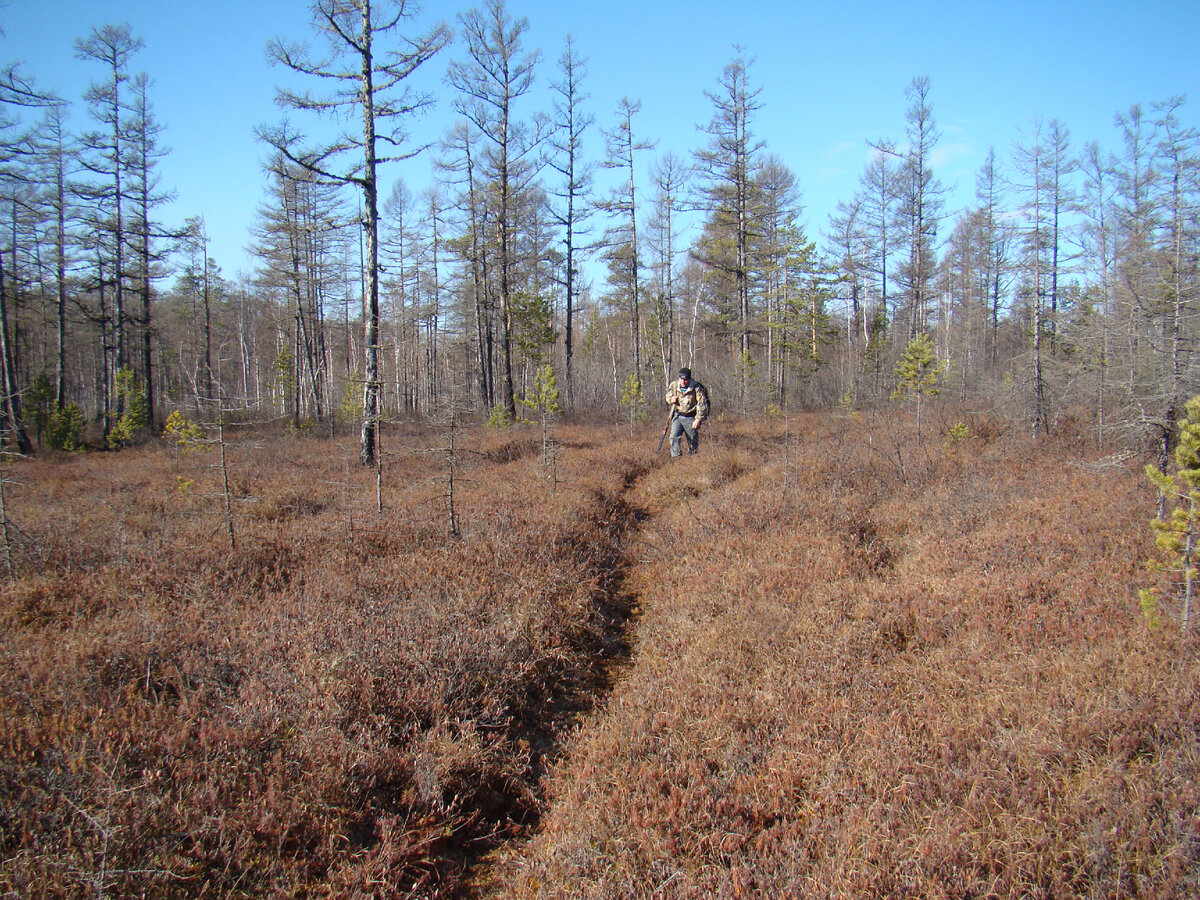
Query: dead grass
pixel 862 666
pixel 342 705
pixel 911 673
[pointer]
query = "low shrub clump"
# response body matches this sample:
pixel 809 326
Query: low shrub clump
pixel 337 701
pixel 887 667
pixel 827 657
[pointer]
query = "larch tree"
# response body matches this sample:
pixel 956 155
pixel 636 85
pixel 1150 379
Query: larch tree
pixel 726 180
pixel 671 176
pixel 1061 166
pixel 806 325
pixel 846 238
pixel 570 124
pixel 921 206
pixel 434 206
pixel 1098 243
pixel 460 161
pixel 880 195
pixel 1136 221
pixel 538 264
pixel 1033 168
pixel 107 157
pixel 23 217
pixel 1044 167
pixel 145 232
pixel 403 252
pixel 494 76
pixel 56 161
pixel 963 283
pixel 16 92
pixel 623 252
pixel 199 282
pixel 1177 289
pixel 877 202
pixel 370 79
pixel 997 239
pixel 299 230
pixel 774 245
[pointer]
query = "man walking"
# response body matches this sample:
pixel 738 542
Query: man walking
pixel 689 402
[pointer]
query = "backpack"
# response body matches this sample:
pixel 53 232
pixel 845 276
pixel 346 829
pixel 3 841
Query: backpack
pixel 701 389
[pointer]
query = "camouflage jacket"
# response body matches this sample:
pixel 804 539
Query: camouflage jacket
pixel 692 400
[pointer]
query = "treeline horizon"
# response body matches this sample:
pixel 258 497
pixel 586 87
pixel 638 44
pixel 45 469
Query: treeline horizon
pixel 1069 286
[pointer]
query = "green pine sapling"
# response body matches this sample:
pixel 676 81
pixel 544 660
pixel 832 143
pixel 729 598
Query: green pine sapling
pixel 917 373
pixel 1176 533
pixel 634 399
pixel 545 399
pixel 136 412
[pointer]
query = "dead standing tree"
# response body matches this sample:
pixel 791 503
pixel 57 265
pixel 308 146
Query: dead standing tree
pixel 367 78
pixel 494 76
pixel 15 92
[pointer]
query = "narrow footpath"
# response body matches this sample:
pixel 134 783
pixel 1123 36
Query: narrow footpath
pixel 515 812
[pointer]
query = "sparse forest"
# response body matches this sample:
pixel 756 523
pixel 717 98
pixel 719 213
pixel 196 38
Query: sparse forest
pixel 1070 283
pixel 359 576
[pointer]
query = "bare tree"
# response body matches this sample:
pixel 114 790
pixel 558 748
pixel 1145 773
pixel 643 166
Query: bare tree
pixel 997 238
pixel 107 158
pixel 56 156
pixel 847 238
pixel 1136 219
pixel 726 170
pixel 15 92
pixel 921 206
pixel 570 125
pixel 299 229
pixel 623 251
pixel 371 80
pixel 460 160
pixel 876 203
pixel 202 278
pixel 495 75
pixel 1178 286
pixel 671 174
pixel 145 196
pixel 399 247
pixel 1062 201
pixel 776 240
pixel 1043 194
pixel 431 291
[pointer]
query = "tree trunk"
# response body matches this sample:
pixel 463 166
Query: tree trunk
pixel 12 396
pixel 368 441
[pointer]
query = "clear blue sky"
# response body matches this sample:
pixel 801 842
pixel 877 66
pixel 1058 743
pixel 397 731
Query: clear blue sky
pixel 832 77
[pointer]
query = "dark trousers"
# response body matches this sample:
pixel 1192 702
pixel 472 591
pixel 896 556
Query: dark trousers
pixel 681 426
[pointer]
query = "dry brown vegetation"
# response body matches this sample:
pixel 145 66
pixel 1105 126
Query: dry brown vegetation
pixel 868 685
pixel 347 704
pixel 857 665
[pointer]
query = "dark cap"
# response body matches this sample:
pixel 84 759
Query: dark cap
pixel 685 373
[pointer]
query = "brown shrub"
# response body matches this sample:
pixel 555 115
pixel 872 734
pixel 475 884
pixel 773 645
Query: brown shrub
pixel 862 666
pixel 913 673
pixel 346 702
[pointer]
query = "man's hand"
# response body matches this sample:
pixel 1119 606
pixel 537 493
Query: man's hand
pixel 696 425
